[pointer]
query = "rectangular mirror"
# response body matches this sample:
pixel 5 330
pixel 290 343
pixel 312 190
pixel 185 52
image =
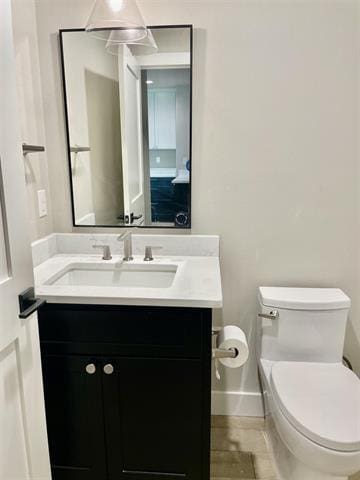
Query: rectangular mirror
pixel 128 114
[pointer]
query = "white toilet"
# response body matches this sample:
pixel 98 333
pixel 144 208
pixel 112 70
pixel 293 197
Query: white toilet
pixel 312 401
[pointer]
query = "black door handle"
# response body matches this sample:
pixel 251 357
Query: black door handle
pixel 124 218
pixel 134 217
pixel 28 303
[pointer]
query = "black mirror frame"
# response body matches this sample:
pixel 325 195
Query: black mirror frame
pixel 62 60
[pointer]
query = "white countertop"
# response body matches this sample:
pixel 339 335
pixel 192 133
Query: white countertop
pixel 183 176
pixel 197 283
pixel 162 172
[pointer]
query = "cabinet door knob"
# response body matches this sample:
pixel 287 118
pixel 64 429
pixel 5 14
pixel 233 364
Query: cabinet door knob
pixel 90 369
pixel 108 369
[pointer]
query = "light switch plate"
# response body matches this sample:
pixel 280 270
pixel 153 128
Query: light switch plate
pixel 42 203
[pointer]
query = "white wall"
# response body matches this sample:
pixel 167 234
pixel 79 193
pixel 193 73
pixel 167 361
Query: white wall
pixel 275 158
pixel 31 114
pixel 179 79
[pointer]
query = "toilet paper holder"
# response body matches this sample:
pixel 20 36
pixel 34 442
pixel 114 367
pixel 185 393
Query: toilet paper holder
pixel 223 352
pixel 216 330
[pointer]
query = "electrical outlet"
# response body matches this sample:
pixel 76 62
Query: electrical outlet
pixel 42 203
pixel 158 159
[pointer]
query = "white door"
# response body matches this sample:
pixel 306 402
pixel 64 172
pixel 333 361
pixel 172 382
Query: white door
pixel 162 118
pixel 23 442
pixel 131 135
pixel 165 118
pixel 151 119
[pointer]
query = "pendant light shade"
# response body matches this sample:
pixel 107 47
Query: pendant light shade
pixel 122 16
pixel 144 46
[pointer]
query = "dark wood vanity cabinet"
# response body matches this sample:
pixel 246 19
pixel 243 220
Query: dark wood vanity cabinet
pixel 127 391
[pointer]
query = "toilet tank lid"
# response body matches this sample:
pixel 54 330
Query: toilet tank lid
pixel 304 298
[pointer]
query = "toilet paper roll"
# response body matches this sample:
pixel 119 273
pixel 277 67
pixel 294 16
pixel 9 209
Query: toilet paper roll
pixel 233 337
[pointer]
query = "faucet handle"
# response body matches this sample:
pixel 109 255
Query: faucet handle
pixel 148 252
pixel 106 251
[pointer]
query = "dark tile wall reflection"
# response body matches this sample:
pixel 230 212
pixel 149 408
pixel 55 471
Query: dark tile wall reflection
pixel 168 200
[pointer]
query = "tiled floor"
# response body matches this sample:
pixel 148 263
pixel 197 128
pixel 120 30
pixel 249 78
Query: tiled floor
pixel 239 450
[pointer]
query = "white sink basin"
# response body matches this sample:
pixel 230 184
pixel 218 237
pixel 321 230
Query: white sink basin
pixel 116 275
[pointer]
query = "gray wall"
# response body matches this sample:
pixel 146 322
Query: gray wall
pixel 31 114
pixel 92 89
pixel 167 158
pixel 103 112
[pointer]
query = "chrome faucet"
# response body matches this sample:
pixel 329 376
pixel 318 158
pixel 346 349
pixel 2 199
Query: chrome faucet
pixel 106 251
pixel 126 237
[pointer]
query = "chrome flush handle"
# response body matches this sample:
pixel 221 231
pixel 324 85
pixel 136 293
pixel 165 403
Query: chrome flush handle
pixel 273 315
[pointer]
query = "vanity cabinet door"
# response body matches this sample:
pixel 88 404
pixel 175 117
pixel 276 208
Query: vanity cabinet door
pixel 74 414
pixel 154 419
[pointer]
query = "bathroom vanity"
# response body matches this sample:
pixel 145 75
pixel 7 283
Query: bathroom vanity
pixel 127 369
pixel 126 339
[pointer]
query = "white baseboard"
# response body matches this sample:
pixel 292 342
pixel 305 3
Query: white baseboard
pixel 238 404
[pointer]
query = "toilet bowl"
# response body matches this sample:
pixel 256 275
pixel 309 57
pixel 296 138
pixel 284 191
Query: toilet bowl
pixel 312 401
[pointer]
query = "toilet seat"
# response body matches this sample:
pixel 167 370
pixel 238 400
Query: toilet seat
pixel 325 407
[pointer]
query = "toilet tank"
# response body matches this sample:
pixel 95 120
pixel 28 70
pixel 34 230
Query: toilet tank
pixel 310 325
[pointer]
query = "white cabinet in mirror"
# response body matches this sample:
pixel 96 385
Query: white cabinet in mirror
pixel 128 114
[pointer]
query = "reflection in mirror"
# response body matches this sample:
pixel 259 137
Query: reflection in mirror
pixel 128 112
